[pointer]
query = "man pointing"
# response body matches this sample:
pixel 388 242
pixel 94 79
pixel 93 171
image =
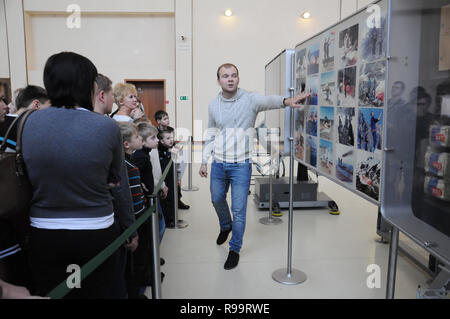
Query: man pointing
pixel 232 116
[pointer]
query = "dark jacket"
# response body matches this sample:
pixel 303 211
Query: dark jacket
pixel 141 158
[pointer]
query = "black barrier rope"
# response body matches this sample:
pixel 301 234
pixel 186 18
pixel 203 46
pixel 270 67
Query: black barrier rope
pixel 63 289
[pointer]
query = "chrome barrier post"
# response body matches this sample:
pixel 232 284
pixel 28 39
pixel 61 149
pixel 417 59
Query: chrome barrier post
pixel 178 222
pixel 270 220
pixel 190 188
pixel 290 276
pixel 156 287
pixel 392 267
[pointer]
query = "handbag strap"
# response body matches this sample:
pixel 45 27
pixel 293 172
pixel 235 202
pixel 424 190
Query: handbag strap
pixel 20 131
pixel 3 147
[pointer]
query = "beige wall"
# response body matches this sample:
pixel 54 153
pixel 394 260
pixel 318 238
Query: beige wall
pixel 363 3
pixel 121 46
pixel 142 39
pixel 4 56
pixel 15 43
pixel 257 32
pixel 119 6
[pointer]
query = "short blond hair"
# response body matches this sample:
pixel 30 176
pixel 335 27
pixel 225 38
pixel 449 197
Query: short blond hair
pixel 146 129
pixel 121 90
pixel 142 119
pixel 127 130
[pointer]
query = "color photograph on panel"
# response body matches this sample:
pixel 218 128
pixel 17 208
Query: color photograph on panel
pixel 312 87
pixel 348 46
pixel 328 51
pixel 313 58
pixel 311 120
pixel 344 163
pixel 300 85
pixel 346 87
pixel 370 125
pixel 327 88
pixel 368 172
pixel 326 157
pixel 326 127
pixel 372 84
pixel 301 63
pixel 373 38
pixel 299 146
pixel 299 120
pixel 311 151
pixel 346 124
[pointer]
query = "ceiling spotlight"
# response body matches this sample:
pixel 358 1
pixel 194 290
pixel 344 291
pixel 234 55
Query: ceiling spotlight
pixel 228 13
pixel 306 14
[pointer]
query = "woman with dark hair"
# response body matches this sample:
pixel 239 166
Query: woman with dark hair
pixel 71 155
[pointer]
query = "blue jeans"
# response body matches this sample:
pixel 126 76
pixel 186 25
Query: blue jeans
pixel 238 175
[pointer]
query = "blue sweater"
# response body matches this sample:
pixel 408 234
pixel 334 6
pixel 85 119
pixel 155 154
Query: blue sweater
pixel 71 155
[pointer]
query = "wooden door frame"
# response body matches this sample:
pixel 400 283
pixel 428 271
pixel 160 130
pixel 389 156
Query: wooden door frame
pixel 152 80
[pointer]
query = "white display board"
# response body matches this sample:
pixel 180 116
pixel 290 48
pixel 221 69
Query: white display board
pixel 339 132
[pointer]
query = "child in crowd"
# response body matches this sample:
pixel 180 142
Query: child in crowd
pixel 162 118
pixel 165 144
pixel 141 158
pixel 157 174
pixel 165 149
pixel 139 267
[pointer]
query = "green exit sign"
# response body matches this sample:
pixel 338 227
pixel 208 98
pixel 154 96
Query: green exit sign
pixel 183 98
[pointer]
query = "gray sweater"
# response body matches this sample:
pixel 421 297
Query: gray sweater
pixel 71 155
pixel 231 125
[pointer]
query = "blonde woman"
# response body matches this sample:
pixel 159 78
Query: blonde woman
pixel 125 96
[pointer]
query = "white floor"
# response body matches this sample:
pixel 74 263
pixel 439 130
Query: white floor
pixel 333 251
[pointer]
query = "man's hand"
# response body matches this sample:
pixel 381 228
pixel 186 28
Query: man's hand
pixel 133 244
pixel 297 101
pixel 164 191
pixel 136 114
pixel 16 292
pixel 203 170
pixel 113 185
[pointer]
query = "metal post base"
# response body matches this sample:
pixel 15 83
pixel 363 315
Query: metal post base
pixel 192 189
pixel 180 224
pixel 294 278
pixel 270 221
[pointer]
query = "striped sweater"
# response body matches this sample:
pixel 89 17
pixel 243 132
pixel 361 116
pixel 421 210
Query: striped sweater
pixel 134 179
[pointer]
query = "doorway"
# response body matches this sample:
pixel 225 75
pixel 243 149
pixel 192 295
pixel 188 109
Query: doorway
pixel 152 94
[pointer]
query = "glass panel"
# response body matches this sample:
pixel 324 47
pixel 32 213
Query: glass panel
pixel 418 119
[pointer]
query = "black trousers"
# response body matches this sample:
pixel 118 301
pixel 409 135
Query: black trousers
pixel 52 251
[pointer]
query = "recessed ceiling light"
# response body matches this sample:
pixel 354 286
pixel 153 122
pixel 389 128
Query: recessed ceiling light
pixel 228 13
pixel 306 14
